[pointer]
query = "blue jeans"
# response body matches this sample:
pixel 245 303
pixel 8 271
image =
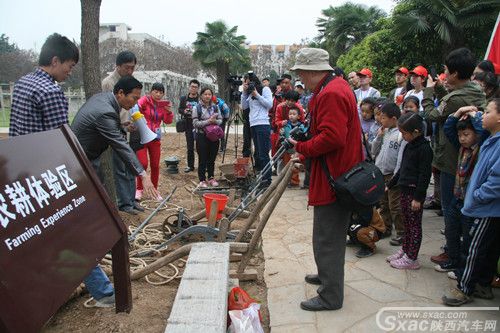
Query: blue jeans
pixel 261 136
pixel 124 184
pixel 98 284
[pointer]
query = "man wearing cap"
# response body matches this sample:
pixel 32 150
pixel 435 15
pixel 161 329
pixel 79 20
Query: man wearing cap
pixel 365 90
pixel 397 94
pixel 417 80
pixel 335 137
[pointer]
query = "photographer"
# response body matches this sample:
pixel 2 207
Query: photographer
pixel 259 100
pixel 335 132
pixel 186 106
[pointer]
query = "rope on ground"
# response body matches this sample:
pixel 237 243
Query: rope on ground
pixel 147 239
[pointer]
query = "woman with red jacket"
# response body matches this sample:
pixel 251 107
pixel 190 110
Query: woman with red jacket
pixel 155 110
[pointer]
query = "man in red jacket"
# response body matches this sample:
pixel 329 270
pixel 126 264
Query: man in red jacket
pixel 335 135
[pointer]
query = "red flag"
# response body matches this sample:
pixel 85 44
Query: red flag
pixel 493 51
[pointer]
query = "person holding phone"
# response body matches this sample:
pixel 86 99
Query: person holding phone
pixel 155 111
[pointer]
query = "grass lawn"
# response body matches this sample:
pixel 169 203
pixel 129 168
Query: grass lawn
pixel 5 117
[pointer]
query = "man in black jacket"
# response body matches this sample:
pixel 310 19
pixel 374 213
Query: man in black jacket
pixel 186 106
pixel 97 125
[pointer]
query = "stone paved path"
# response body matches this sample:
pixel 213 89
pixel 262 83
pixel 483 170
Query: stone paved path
pixel 370 283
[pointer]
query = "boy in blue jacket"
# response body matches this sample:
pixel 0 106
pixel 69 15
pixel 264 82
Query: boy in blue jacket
pixel 482 203
pixel 464 130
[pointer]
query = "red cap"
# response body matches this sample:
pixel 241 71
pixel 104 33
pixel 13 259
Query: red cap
pixel 402 70
pixel 420 71
pixel 365 72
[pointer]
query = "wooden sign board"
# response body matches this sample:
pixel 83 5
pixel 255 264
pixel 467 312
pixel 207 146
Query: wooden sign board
pixel 56 223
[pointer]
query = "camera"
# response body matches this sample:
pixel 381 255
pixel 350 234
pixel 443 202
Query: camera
pixel 250 88
pixel 235 82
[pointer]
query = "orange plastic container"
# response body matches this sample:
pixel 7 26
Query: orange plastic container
pixel 242 167
pixel 221 203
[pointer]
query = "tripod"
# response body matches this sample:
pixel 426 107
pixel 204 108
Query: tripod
pixel 235 117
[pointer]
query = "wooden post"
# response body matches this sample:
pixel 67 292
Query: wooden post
pixel 121 276
pixel 212 218
pixel 223 228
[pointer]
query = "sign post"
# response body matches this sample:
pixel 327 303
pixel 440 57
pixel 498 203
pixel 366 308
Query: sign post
pixel 56 224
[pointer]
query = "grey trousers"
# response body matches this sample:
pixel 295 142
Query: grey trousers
pixel 330 225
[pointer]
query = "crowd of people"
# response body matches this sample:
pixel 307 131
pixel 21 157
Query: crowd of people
pixel 444 127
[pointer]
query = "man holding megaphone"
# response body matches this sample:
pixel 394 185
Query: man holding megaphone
pixel 97 126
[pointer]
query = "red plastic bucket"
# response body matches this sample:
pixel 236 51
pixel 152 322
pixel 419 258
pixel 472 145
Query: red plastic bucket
pixel 221 203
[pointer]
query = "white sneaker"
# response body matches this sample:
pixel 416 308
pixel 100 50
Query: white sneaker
pixel 213 182
pixel 452 275
pixel 203 184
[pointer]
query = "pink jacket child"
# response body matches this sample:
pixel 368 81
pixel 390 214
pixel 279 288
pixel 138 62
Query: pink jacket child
pixel 155 111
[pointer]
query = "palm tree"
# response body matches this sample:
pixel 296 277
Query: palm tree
pixel 452 21
pixel 344 26
pixel 219 47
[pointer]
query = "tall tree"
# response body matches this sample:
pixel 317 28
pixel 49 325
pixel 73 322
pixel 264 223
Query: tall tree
pixel 92 77
pixel 90 46
pixel 344 26
pixel 220 48
pixel 455 23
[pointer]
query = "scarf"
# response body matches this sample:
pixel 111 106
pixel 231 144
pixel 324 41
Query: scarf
pixel 467 158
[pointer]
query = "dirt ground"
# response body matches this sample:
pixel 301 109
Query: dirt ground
pixel 152 303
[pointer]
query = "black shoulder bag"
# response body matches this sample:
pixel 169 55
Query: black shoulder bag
pixel 361 187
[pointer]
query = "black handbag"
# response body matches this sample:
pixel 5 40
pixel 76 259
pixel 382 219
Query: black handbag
pixel 361 187
pixel 180 125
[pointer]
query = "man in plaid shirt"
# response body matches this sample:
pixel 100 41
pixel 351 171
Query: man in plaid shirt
pixel 39 104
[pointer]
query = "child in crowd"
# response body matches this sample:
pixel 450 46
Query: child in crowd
pixel 411 104
pixel 467 135
pixel 417 78
pixel 294 116
pixel 385 149
pixel 368 118
pixel 413 179
pixel 377 111
pixel 482 204
pixel 156 111
pixel 366 229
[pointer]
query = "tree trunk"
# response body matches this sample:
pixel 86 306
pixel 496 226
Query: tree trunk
pixel 90 47
pixel 222 76
pixel 92 77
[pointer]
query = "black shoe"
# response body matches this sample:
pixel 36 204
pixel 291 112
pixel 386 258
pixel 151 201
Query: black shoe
pixel 130 211
pixel 364 252
pixel 396 241
pixel 188 169
pixel 386 234
pixel 313 304
pixel 313 279
pixel 138 207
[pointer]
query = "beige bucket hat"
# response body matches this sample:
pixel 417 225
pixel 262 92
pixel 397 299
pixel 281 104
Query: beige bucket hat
pixel 312 59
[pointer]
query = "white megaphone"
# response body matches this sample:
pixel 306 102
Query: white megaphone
pixel 146 134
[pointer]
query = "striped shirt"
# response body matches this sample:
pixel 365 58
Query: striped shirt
pixel 38 104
